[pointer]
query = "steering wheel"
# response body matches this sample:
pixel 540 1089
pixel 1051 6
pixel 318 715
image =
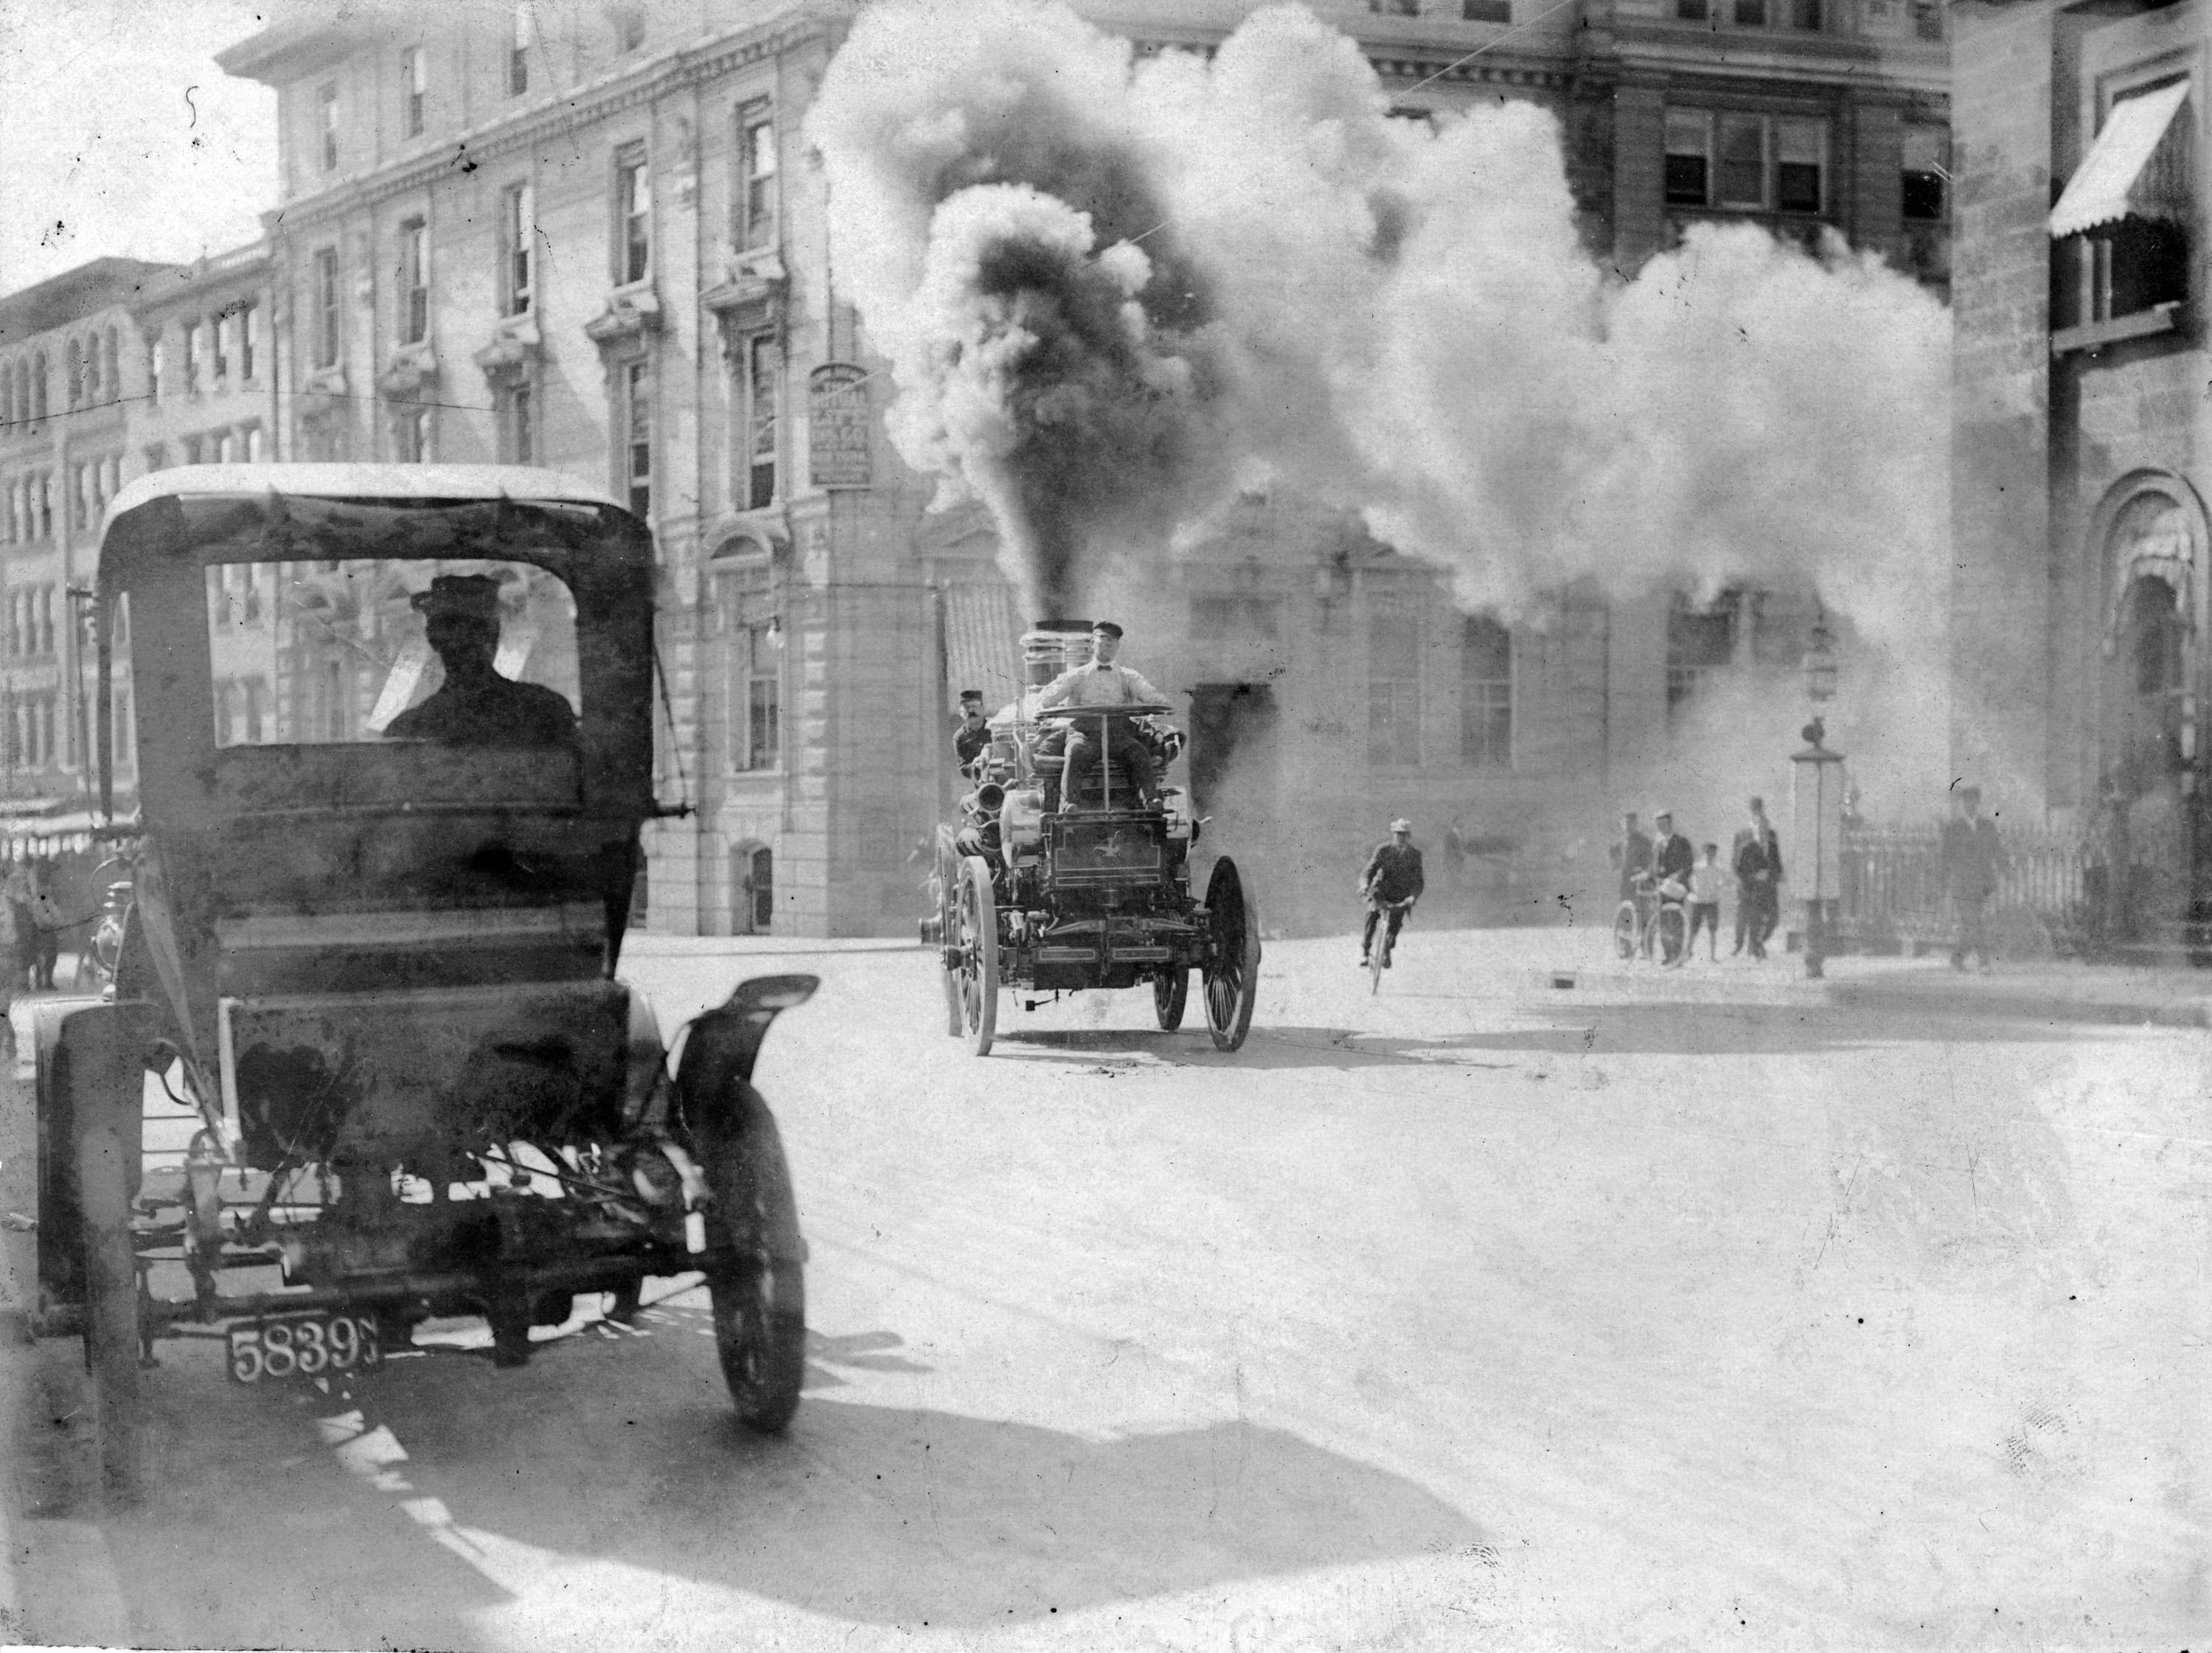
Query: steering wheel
pixel 1136 708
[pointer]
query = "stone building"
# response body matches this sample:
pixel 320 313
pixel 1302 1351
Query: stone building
pixel 73 374
pixel 593 238
pixel 2082 454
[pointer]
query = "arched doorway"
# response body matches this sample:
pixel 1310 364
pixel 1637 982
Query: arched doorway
pixel 2149 786
pixel 752 889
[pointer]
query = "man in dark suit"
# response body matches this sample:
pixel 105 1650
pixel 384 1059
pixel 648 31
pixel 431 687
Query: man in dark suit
pixel 1973 858
pixel 974 734
pixel 1632 855
pixel 1671 854
pixel 1757 863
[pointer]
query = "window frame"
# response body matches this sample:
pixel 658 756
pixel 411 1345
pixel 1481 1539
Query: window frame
pixel 635 430
pixel 524 35
pixel 329 307
pixel 1772 126
pixel 518 230
pixel 326 104
pixel 632 202
pixel 414 294
pixel 757 210
pixel 760 450
pixel 414 91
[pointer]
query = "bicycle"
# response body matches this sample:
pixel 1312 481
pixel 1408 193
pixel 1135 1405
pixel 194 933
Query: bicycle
pixel 1653 922
pixel 1378 951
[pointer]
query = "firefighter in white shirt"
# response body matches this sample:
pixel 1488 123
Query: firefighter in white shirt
pixel 1102 682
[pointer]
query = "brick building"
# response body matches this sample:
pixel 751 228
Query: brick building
pixel 595 240
pixel 2082 451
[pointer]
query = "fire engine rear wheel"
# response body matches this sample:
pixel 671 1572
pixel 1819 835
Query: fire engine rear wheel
pixel 979 966
pixel 1231 976
pixel 1170 992
pixel 947 885
pixel 755 1265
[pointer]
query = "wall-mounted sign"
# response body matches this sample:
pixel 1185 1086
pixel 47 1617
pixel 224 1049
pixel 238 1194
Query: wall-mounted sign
pixel 838 426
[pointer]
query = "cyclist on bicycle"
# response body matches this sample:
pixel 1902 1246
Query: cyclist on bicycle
pixel 1391 883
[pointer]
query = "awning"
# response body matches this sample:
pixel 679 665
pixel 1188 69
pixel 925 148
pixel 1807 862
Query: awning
pixel 982 644
pixel 2138 166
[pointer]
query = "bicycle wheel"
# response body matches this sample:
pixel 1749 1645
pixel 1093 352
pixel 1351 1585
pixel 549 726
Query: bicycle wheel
pixel 1671 926
pixel 1624 936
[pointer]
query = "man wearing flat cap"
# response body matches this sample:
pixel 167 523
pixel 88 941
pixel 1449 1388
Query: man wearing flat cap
pixel 1392 882
pixel 1102 682
pixel 475 706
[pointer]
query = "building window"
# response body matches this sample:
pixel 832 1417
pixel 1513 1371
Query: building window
pixel 190 332
pixel 326 100
pixel 763 359
pixel 1755 163
pixel 1689 157
pixel 412 435
pixel 1700 641
pixel 518 234
pixel 518 424
pixel 93 392
pixel 414 86
pixel 112 351
pixel 73 374
pixel 633 211
pixel 1393 686
pixel 1485 11
pixel 518 49
pixel 154 353
pixel 39 387
pixel 755 712
pixel 2127 209
pixel 757 162
pixel 46 639
pixel 249 337
pixel 629 27
pixel 45 505
pixel 191 447
pixel 1927 19
pixel 252 440
pixel 637 436
pixel 1692 11
pixel 327 307
pixel 219 331
pixel 1485 706
pixel 414 281
pixel 1395 8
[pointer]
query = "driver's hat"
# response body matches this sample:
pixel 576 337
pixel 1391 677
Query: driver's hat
pixel 459 596
pixel 1402 825
pixel 967 694
pixel 1106 626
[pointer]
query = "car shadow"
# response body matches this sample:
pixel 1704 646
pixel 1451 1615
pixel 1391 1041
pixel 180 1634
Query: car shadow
pixel 459 1489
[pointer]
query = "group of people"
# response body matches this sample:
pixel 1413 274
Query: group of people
pixel 1139 746
pixel 1663 863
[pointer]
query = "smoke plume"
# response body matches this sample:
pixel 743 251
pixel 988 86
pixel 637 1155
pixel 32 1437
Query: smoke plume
pixel 1112 289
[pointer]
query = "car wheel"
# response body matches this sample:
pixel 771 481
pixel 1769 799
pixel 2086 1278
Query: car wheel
pixel 754 1265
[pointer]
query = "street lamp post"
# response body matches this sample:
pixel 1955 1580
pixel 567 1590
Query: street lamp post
pixel 1817 804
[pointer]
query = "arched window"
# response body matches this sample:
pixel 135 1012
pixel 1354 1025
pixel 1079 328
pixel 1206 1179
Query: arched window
pixel 73 370
pixel 92 382
pixel 114 381
pixel 39 387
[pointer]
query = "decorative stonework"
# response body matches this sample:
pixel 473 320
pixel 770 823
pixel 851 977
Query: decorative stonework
pixel 750 299
pixel 632 313
pixel 322 392
pixel 412 367
pixel 515 347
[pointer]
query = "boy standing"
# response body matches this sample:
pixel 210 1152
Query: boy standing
pixel 1706 901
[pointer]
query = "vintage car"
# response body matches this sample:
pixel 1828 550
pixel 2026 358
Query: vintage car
pixel 392 748
pixel 1047 900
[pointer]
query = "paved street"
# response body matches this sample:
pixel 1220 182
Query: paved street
pixel 1478 1313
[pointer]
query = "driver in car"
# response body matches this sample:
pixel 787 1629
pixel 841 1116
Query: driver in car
pixel 1102 682
pixel 475 706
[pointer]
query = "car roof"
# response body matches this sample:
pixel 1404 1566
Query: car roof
pixel 386 482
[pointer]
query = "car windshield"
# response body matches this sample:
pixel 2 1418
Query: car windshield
pixel 474 651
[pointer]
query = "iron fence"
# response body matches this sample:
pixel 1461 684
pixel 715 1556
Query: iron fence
pixel 1892 886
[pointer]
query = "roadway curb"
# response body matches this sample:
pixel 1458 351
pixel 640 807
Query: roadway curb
pixel 1928 992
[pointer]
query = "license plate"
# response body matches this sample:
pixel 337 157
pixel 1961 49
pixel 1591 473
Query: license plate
pixel 307 1345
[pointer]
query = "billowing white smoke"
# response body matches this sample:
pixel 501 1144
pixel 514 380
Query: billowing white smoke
pixel 1394 319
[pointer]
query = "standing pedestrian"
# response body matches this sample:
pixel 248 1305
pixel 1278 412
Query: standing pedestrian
pixel 1971 859
pixel 1705 901
pixel 1631 853
pixel 1757 863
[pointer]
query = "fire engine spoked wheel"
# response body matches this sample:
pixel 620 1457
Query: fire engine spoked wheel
pixel 1231 976
pixel 1170 992
pixel 755 1264
pixel 979 955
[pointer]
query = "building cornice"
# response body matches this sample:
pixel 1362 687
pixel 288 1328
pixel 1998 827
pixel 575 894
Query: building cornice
pixel 575 111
